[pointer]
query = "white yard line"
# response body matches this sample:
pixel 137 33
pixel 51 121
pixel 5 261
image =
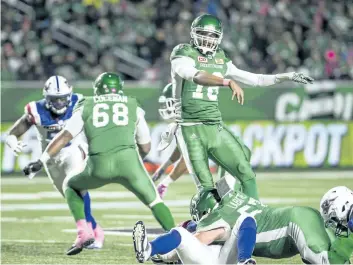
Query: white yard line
pixel 31 241
pixel 346 174
pixel 131 204
pixel 113 233
pixel 5 196
pixel 139 216
pixel 49 241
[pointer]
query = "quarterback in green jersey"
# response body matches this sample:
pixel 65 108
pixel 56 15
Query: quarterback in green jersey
pixel 282 232
pixel 198 70
pixel 117 135
pixel 167 111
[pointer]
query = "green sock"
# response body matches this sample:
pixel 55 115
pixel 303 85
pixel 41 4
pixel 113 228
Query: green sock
pixel 341 250
pixel 163 215
pixel 75 203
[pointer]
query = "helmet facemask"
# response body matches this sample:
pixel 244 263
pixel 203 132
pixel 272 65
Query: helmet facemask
pixel 58 104
pixel 340 226
pixel 206 40
pixel 167 108
pixel 336 208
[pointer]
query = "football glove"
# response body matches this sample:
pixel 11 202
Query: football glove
pixel 33 168
pixel 15 145
pixel 293 76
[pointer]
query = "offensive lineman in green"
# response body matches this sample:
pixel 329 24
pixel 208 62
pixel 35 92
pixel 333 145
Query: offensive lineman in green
pixel 198 69
pixel 116 132
pixel 282 232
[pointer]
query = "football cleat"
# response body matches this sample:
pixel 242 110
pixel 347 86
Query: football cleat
pixel 83 239
pixel 248 261
pixel 162 190
pixel 98 237
pixel 141 245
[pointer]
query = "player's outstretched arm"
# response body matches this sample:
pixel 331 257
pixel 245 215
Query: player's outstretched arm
pixel 21 126
pixel 264 80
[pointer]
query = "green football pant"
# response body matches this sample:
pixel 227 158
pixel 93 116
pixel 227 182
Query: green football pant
pixel 222 173
pixel 124 167
pixel 200 142
pixel 287 231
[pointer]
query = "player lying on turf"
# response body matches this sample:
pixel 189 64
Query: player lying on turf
pixel 112 123
pixel 167 111
pixel 49 116
pixel 198 70
pixel 282 232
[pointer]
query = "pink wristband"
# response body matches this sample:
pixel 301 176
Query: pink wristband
pixel 226 82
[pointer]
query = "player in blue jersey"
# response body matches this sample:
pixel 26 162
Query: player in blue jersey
pixel 49 116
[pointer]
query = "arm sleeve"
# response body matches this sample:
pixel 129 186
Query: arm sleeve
pixel 75 123
pixel 184 67
pixel 142 130
pixel 249 78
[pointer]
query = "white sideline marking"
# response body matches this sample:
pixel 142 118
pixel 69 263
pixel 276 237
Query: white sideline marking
pixel 131 204
pixel 56 195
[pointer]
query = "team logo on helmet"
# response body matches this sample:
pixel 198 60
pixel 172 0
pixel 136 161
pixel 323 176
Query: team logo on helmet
pixel 327 204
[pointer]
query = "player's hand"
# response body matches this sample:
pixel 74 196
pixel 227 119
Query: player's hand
pixel 237 91
pixel 296 77
pixel 15 145
pixel 33 168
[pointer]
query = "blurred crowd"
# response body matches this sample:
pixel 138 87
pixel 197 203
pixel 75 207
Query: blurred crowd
pixel 82 38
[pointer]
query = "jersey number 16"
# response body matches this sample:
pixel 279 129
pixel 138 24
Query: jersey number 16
pixel 101 115
pixel 212 91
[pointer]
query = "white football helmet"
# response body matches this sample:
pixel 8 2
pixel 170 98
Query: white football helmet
pixel 336 208
pixel 57 93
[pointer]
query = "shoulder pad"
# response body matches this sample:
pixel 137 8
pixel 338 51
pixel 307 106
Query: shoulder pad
pixel 32 112
pixel 226 56
pixel 183 49
pixel 79 104
pixel 79 96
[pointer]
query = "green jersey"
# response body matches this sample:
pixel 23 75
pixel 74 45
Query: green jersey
pixel 282 232
pixel 199 103
pixel 109 122
pixel 230 209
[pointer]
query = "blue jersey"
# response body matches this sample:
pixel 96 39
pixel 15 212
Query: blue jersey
pixel 46 123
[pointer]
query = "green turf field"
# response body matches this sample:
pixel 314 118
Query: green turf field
pixel 36 226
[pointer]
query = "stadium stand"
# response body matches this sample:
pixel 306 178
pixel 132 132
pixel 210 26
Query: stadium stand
pixel 80 39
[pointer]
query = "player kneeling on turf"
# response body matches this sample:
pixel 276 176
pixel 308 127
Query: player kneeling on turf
pixel 49 115
pixel 117 134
